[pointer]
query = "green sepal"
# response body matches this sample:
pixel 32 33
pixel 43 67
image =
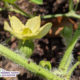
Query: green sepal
pixel 26 48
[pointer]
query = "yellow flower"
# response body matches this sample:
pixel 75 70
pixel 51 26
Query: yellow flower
pixel 31 30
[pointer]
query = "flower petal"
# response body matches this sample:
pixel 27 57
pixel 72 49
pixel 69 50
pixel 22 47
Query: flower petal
pixel 29 36
pixel 44 30
pixel 17 35
pixel 33 23
pixel 16 24
pixel 7 27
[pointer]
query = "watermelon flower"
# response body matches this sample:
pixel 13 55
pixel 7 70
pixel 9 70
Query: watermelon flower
pixel 31 30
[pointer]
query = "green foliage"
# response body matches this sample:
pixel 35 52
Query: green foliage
pixel 67 34
pixel 62 73
pixel 29 65
pixel 26 47
pixel 10 1
pixel 66 58
pixel 20 11
pixel 45 64
pixel 70 5
pixel 37 1
pixel 78 58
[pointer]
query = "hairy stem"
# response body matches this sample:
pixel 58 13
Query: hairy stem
pixel 69 14
pixel 70 5
pixel 69 50
pixel 68 63
pixel 28 15
pixel 72 69
pixel 27 64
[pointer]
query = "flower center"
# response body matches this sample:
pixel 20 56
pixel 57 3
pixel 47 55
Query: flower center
pixel 26 31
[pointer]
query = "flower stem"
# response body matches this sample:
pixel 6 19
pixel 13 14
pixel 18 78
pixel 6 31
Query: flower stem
pixel 68 63
pixel 70 5
pixel 72 69
pixel 69 50
pixel 17 8
pixel 69 14
pixel 27 64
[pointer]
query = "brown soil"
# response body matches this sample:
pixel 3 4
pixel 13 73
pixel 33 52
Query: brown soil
pixel 49 48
